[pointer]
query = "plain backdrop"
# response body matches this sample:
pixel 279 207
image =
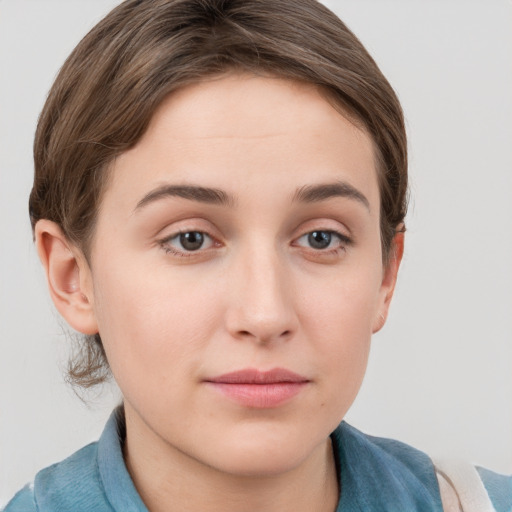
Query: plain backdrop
pixel 440 374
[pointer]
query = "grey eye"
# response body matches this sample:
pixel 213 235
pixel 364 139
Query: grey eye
pixel 319 239
pixel 322 239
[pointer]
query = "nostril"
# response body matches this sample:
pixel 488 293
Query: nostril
pixel 262 337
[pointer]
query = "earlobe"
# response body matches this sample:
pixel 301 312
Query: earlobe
pixel 389 279
pixel 68 276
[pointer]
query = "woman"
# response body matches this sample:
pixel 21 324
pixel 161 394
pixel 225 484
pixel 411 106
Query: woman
pixel 219 206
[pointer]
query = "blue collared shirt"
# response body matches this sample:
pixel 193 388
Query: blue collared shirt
pixel 375 475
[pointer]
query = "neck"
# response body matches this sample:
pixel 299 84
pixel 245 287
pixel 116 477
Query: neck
pixel 171 481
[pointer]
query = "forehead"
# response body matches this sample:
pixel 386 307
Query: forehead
pixel 244 129
pixel 244 104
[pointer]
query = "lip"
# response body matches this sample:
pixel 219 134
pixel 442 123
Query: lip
pixel 259 389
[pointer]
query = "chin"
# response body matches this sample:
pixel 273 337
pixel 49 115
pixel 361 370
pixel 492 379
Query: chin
pixel 265 453
pixel 264 464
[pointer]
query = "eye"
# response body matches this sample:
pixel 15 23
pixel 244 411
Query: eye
pixel 192 240
pixel 323 239
pixel 319 239
pixel 187 241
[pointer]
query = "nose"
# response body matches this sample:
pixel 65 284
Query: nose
pixel 261 304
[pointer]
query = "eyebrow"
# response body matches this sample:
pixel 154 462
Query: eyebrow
pixel 215 196
pixel 321 192
pixel 191 192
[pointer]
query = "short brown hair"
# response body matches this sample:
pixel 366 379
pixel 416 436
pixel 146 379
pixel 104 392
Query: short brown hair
pixel 109 87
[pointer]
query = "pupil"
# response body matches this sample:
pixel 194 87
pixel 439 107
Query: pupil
pixel 319 239
pixel 192 240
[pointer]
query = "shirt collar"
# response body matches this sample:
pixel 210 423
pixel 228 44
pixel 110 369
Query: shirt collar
pixel 383 475
pixel 118 485
pixel 375 474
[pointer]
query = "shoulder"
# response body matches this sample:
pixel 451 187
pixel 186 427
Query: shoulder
pixel 384 453
pixel 499 488
pixel 93 478
pixel 23 501
pixel 379 474
pixel 384 464
pixel 73 484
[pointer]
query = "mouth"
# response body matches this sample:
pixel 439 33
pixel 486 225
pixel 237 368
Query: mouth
pixel 257 389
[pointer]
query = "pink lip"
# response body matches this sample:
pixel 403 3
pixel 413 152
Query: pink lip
pixel 259 389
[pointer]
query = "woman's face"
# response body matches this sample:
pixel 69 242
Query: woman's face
pixel 236 273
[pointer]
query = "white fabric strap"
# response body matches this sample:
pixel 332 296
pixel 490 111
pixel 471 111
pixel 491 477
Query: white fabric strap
pixel 462 489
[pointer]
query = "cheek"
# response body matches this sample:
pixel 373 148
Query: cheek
pixel 341 329
pixel 153 323
pixel 342 302
pixel 338 319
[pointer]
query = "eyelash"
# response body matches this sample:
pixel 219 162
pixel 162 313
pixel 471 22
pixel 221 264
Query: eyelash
pixel 169 249
pixel 344 242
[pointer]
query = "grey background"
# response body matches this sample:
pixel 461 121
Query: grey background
pixel 440 373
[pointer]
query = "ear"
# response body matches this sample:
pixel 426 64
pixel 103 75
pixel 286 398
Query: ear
pixel 68 276
pixel 389 278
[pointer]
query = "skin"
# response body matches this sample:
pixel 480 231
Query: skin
pixel 256 294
